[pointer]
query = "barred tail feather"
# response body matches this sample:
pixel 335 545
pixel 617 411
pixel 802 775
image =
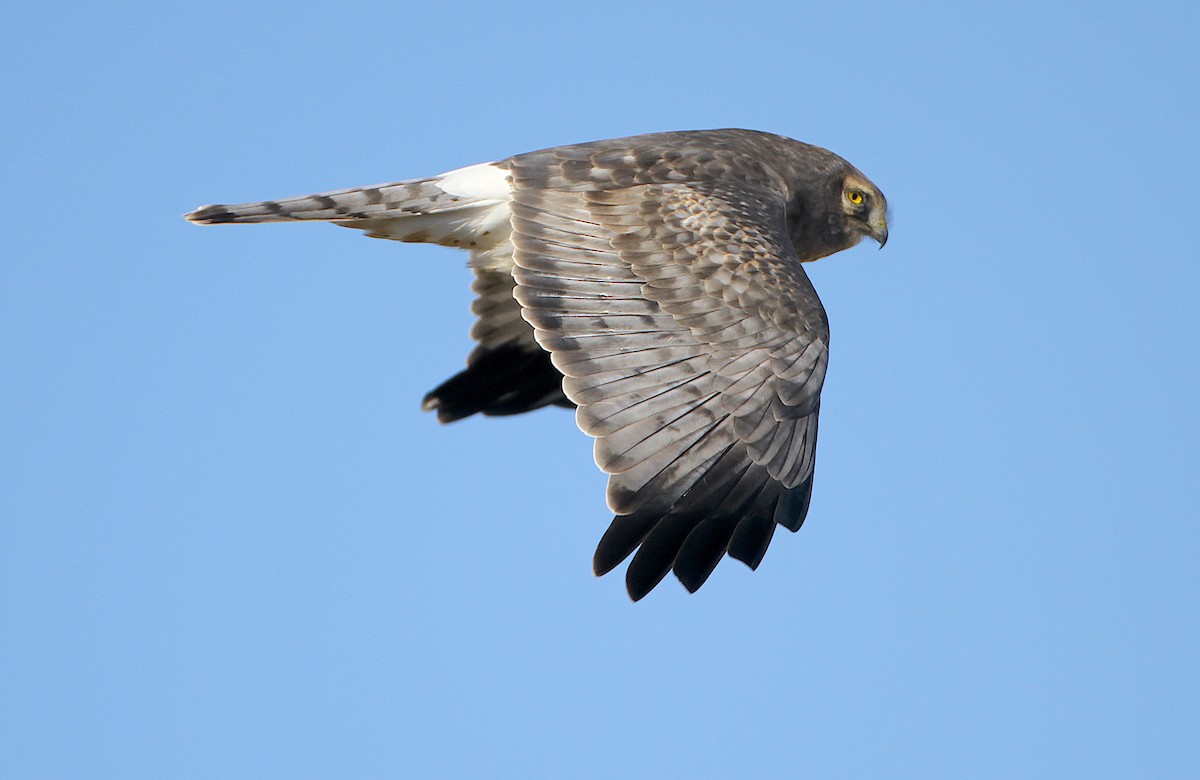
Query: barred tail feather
pixel 466 208
pixel 414 197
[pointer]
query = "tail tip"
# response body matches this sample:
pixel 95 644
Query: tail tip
pixel 213 214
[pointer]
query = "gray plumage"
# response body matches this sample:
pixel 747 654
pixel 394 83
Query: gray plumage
pixel 654 282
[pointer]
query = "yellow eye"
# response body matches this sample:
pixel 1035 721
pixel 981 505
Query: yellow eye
pixel 855 197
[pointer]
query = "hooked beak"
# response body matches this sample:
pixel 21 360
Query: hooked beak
pixel 878 225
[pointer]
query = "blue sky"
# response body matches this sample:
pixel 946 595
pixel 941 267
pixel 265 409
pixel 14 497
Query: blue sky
pixel 233 546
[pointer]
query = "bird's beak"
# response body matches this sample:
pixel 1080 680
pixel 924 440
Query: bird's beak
pixel 878 225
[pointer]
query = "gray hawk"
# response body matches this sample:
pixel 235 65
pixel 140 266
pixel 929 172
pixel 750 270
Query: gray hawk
pixel 655 284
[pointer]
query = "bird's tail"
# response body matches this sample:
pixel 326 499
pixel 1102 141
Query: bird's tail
pixel 454 209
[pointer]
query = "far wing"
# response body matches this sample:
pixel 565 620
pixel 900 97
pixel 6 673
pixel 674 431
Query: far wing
pixel 507 372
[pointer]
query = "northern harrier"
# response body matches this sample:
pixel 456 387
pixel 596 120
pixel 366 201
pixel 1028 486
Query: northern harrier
pixel 655 283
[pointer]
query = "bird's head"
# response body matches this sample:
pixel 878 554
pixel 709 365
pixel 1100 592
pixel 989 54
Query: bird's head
pixel 865 209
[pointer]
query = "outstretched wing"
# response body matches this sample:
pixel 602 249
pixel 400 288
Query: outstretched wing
pixel 695 348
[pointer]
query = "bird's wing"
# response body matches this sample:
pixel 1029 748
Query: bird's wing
pixel 695 347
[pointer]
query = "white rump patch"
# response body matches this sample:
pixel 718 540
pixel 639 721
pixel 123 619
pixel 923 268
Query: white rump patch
pixel 485 181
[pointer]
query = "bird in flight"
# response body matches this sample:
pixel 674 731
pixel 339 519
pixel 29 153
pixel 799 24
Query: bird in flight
pixel 655 284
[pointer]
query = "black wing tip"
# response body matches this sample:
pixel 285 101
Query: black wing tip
pixel 752 558
pixel 691 581
pixel 692 574
pixel 751 539
pixel 432 402
pixel 692 571
pixel 693 549
pixel 602 564
pixel 604 561
pixel 702 550
pixel 638 584
pixel 618 542
pixel 792 509
pixel 499 381
pixel 622 537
